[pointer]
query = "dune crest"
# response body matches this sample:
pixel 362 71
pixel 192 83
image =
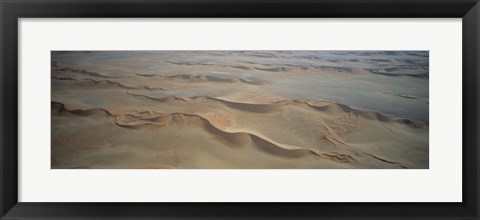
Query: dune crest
pixel 207 78
pixel 81 71
pixel 332 108
pixel 107 83
pixel 156 120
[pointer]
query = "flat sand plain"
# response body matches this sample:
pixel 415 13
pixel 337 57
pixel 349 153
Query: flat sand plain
pixel 239 109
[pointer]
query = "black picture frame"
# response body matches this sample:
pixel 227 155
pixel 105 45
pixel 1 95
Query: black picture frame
pixel 12 10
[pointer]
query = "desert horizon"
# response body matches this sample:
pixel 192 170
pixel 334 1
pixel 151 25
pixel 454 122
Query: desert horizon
pixel 252 109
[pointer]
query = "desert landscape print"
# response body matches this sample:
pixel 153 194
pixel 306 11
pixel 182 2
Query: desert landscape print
pixel 236 109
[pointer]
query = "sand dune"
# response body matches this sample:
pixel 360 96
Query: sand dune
pixel 207 78
pixel 399 71
pixel 235 139
pixel 273 69
pixel 106 84
pixel 152 120
pixel 59 109
pixel 334 108
pixel 241 67
pixel 240 109
pixel 210 78
pixel 80 71
pixel 403 96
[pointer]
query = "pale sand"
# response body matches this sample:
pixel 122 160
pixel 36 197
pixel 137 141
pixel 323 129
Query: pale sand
pixel 250 109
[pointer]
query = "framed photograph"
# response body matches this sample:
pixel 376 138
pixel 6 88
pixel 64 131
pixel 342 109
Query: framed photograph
pixel 239 109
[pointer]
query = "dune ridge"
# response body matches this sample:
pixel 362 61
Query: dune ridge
pixel 206 78
pixel 391 72
pixel 107 83
pixel 233 139
pixel 274 106
pixel 81 71
pixel 210 64
pixel 273 69
pixel 59 109
pixel 388 161
pixel 402 95
pixel 287 67
pixel 269 68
